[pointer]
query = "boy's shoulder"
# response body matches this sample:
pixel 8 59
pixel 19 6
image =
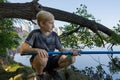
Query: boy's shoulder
pixel 35 31
pixel 54 33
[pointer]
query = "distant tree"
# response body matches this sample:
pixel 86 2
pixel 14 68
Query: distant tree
pixel 8 36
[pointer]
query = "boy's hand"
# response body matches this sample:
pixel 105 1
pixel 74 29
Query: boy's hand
pixel 42 53
pixel 75 52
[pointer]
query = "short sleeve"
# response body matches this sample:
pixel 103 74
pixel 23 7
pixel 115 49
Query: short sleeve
pixel 31 38
pixel 57 42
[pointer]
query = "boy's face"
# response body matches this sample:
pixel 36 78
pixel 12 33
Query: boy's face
pixel 47 26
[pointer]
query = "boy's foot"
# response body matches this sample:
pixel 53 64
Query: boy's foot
pixel 40 77
pixel 55 75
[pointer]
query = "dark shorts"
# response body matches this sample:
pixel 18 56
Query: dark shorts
pixel 52 62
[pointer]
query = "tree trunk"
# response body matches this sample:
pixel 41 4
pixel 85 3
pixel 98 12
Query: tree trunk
pixel 29 10
pixel 17 10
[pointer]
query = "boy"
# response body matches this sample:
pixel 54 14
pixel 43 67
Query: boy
pixel 42 41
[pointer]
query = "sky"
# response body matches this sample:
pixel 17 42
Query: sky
pixel 105 10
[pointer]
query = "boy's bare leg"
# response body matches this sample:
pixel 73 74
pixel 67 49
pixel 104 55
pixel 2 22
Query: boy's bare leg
pixel 39 64
pixel 63 62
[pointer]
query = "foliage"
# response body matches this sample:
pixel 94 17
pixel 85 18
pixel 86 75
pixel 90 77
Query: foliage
pixel 76 36
pixel 96 74
pixel 83 37
pixel 117 29
pixel 70 40
pixel 114 65
pixel 3 1
pixel 116 38
pixel 8 36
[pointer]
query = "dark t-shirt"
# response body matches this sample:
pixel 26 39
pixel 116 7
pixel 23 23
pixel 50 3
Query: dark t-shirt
pixel 38 40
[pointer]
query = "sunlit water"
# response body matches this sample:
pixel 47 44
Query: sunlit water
pixel 81 61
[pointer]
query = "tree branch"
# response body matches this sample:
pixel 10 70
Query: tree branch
pixel 29 10
pixel 72 31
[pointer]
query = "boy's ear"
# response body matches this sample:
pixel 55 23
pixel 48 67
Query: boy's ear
pixel 41 23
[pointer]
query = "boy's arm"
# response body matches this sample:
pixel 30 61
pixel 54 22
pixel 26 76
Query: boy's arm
pixel 27 48
pixel 75 52
pixel 63 49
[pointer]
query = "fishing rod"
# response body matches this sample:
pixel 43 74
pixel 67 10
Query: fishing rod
pixel 79 52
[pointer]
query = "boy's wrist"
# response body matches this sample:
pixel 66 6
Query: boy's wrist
pixel 35 49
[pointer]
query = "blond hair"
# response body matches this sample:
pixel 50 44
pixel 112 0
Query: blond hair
pixel 44 16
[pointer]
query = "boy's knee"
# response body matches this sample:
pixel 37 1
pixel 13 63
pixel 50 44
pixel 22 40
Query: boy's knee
pixel 38 61
pixel 67 59
pixel 70 59
pixel 43 61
